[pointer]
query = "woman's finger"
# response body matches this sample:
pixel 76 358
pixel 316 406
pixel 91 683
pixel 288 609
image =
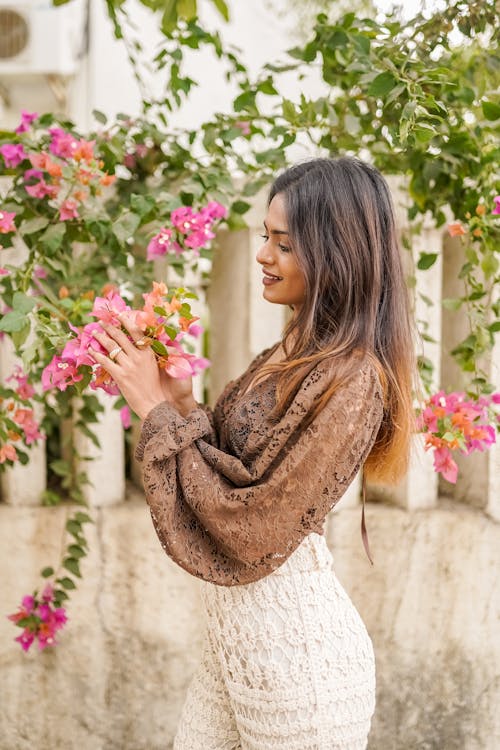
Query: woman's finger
pixel 132 327
pixel 109 344
pixel 106 362
pixel 118 337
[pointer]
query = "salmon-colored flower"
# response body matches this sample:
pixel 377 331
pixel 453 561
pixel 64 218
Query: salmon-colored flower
pixel 8 453
pixel 456 229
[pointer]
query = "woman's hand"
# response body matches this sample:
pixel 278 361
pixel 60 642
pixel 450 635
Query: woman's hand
pixel 136 372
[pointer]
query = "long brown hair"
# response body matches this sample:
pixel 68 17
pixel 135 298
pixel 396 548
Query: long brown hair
pixel 342 230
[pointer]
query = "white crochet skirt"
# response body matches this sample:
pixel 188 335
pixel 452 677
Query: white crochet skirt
pixel 287 664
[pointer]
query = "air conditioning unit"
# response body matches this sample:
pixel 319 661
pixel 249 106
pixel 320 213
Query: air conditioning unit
pixel 37 38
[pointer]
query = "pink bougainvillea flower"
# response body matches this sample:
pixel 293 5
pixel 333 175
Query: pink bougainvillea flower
pixel 244 126
pixel 178 366
pixel 496 208
pixel 445 465
pixel 160 244
pixel 25 639
pixel 108 308
pixel 8 453
pixel 42 190
pixel 24 389
pixel 25 419
pixel 68 210
pixel 4 271
pixel 13 154
pixel 60 373
pixel 125 417
pixel 182 219
pixel 456 229
pixel 26 119
pixel 40 272
pixel 103 380
pixel 32 174
pixel 214 210
pixel 62 144
pixel 7 222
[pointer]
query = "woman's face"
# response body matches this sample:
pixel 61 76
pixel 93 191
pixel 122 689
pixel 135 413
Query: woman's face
pixel 283 280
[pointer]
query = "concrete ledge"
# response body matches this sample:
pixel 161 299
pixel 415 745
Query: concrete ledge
pixel 118 678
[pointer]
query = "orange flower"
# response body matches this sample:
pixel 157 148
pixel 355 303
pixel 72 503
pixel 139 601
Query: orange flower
pixel 109 289
pixel 185 322
pixel 63 292
pixel 13 435
pixel 80 195
pixel 89 295
pixel 481 209
pixel 107 179
pixel 477 232
pixel 456 229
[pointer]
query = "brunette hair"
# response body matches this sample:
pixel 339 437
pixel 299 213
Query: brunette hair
pixel 342 230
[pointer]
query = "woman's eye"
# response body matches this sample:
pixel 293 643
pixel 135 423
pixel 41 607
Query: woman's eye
pixel 265 237
pixel 284 249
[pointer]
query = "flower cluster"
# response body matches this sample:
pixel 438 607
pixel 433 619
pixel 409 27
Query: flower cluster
pixel 39 618
pixel 66 173
pixel 165 319
pixel 17 418
pixel 453 422
pixel 475 223
pixel 188 229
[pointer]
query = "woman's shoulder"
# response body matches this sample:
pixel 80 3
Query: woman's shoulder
pixel 362 373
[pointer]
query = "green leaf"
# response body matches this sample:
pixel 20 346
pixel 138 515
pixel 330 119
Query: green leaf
pixel 76 551
pixel 19 337
pixel 73 527
pixel 12 321
pixel 382 84
pixel 221 6
pixel 53 236
pixel 124 227
pixel 71 564
pixel 426 260
pixel 30 226
pixel 240 207
pixel 60 467
pixel 494 327
pixel 491 110
pixel 47 572
pixel 67 583
pixel 186 9
pixel 99 116
pixel 22 303
pixel 83 517
pixel 452 303
pixel 159 348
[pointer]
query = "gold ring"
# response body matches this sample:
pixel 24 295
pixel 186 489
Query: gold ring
pixel 142 343
pixel 115 352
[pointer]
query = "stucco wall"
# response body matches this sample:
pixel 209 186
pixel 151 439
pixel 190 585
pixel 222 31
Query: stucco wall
pixel 118 677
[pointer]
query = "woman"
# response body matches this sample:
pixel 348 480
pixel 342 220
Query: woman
pixel 239 495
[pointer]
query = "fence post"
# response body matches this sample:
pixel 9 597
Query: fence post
pixel 106 470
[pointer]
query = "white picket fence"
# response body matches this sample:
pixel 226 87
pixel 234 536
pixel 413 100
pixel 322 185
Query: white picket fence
pixel 241 324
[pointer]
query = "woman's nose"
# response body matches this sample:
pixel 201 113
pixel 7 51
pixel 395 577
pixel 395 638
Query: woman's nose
pixel 264 254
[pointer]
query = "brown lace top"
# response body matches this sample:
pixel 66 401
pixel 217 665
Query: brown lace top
pixel 231 494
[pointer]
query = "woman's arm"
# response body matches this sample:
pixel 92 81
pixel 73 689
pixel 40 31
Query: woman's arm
pixel 229 522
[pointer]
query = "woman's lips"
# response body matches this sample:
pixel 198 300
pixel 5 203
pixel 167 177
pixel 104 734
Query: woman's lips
pixel 269 279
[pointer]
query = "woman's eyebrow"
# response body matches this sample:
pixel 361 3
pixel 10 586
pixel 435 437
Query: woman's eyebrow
pixel 274 231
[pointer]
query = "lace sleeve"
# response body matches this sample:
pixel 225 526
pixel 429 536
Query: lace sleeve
pixel 231 523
